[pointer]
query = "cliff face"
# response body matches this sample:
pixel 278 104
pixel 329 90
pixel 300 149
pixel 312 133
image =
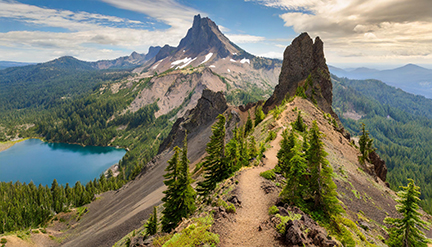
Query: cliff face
pixel 303 59
pixel 209 106
pixel 205 36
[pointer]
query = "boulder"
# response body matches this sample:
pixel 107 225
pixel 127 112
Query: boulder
pixel 379 165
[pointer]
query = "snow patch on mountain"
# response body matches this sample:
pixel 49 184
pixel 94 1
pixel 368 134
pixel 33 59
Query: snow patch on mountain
pixel 207 57
pixel 244 60
pixel 187 63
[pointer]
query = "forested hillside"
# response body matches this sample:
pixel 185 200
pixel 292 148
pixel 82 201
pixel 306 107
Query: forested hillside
pixel 400 123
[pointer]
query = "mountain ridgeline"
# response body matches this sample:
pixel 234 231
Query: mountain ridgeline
pixel 411 78
pixel 150 103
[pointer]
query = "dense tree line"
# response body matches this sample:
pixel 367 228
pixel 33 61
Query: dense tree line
pixel 25 206
pixel 400 124
pixel 46 85
pixel 308 173
pixel 222 161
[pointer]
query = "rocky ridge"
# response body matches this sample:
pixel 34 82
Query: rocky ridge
pixel 304 59
pixel 133 60
pixel 209 106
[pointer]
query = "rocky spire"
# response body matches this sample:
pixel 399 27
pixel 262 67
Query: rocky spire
pixel 204 35
pixel 303 59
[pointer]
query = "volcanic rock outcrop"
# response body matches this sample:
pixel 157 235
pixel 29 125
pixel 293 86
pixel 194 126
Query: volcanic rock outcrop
pixel 304 59
pixel 209 106
pixel 379 165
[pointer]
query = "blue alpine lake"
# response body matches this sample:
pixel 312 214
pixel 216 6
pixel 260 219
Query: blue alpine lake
pixel 42 162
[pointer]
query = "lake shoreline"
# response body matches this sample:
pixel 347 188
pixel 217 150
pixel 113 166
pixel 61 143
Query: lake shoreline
pixel 39 162
pixel 6 145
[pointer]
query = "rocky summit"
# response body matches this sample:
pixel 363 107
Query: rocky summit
pixel 205 36
pixel 304 66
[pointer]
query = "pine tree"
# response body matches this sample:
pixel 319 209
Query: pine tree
pixel 187 195
pixel 259 115
pixel 366 145
pixel 57 203
pixel 179 200
pixel 253 151
pixel 294 175
pixel 299 125
pixel 248 125
pixel 407 232
pixel 285 154
pixel 151 225
pixel 243 144
pixel 169 218
pixel 321 183
pixel 232 152
pixel 215 167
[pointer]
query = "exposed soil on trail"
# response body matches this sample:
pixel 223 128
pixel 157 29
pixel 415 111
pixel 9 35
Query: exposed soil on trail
pixel 250 226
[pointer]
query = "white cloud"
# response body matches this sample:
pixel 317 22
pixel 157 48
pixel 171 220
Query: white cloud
pixel 381 30
pixel 178 16
pixel 87 33
pixel 224 29
pixel 272 54
pixel 244 38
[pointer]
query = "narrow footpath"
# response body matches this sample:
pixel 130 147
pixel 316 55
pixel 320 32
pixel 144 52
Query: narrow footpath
pixel 250 226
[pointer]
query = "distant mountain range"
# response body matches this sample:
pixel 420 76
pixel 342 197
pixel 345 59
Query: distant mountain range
pixel 7 64
pixel 410 78
pixel 127 62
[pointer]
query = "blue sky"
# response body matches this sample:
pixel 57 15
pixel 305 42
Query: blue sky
pixel 370 33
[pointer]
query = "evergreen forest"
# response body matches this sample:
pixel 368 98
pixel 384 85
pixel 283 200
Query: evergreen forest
pixel 400 124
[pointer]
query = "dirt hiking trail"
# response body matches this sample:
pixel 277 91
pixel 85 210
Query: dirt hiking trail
pixel 251 226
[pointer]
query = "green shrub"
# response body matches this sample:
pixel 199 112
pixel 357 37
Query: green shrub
pixel 35 231
pixel 300 91
pixel 43 231
pixel 230 208
pixel 262 149
pixel 273 210
pixel 271 136
pixel 196 234
pixel 278 169
pixel 270 175
pixel 128 242
pixel 284 220
pixel 277 111
pixel 3 241
pixel 80 212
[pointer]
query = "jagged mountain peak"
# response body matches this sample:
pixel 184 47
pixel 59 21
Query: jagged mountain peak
pixel 205 36
pixel 204 43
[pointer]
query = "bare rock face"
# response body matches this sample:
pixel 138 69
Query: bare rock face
pixel 303 59
pixel 209 106
pixel 205 36
pixel 164 52
pixel 379 164
pixel 305 231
